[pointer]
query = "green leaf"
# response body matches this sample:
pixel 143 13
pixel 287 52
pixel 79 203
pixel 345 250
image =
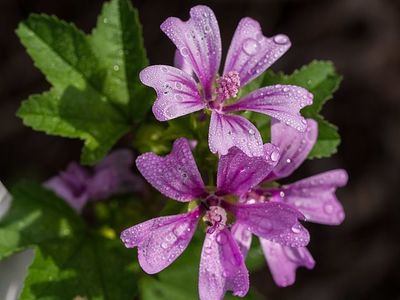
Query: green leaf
pixel 61 114
pixel 94 78
pixel 117 41
pixel 69 260
pixel 321 79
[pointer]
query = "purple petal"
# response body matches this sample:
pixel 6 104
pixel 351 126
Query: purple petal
pixel 294 146
pixel 274 221
pixel 242 237
pixel 177 92
pixel 222 267
pixel 175 175
pixel 199 42
pixel 227 131
pixel 113 175
pixel 71 185
pixel 237 172
pixel 251 53
pixel 181 63
pixel 282 102
pixel 161 240
pixel 283 261
pixel 121 158
pixel 315 197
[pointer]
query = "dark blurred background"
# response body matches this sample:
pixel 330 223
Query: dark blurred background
pixel 359 259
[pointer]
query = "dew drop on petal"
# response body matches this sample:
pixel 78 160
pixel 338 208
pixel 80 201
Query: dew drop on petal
pixel 275 156
pixel 265 226
pixel 281 39
pixel 328 208
pixel 221 238
pixel 184 51
pixel 296 228
pixel 251 131
pixel 251 46
pixel 288 161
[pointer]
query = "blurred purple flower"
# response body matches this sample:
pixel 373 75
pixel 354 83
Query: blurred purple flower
pixel 161 240
pixel 314 197
pixel 113 175
pixel 195 84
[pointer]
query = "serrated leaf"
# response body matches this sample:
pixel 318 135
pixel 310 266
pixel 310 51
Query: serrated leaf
pixel 117 41
pixel 69 260
pixel 97 74
pixel 328 140
pixel 321 79
pixel 61 114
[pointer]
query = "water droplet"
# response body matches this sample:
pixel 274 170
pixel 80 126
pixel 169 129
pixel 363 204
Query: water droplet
pixel 164 69
pixel 178 85
pixel 340 215
pixel 221 238
pixel 171 111
pixel 288 161
pixel 184 51
pixel 116 68
pixel 251 132
pixel 285 89
pixel 282 194
pixel 265 226
pixel 275 156
pixel 164 245
pixel 207 29
pixel 281 39
pixel 296 228
pixel 251 46
pixel 328 208
pixel 178 97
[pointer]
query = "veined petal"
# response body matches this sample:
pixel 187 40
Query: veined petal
pixel 242 237
pixel 181 63
pixel 281 102
pixel 227 131
pixel 283 261
pixel 294 146
pixel 222 267
pixel 161 241
pixel 237 172
pixel 251 53
pixel 177 92
pixel 175 175
pixel 315 197
pixel 273 221
pixel 199 42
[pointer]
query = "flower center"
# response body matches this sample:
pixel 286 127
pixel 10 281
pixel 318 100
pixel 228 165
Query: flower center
pixel 216 218
pixel 228 86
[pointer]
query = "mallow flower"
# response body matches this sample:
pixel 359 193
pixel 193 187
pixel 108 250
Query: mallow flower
pixel 314 197
pixel 162 240
pixel 113 175
pixel 198 86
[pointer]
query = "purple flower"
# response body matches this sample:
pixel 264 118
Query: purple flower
pixel 77 185
pixel 196 85
pixel 314 197
pixel 161 240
